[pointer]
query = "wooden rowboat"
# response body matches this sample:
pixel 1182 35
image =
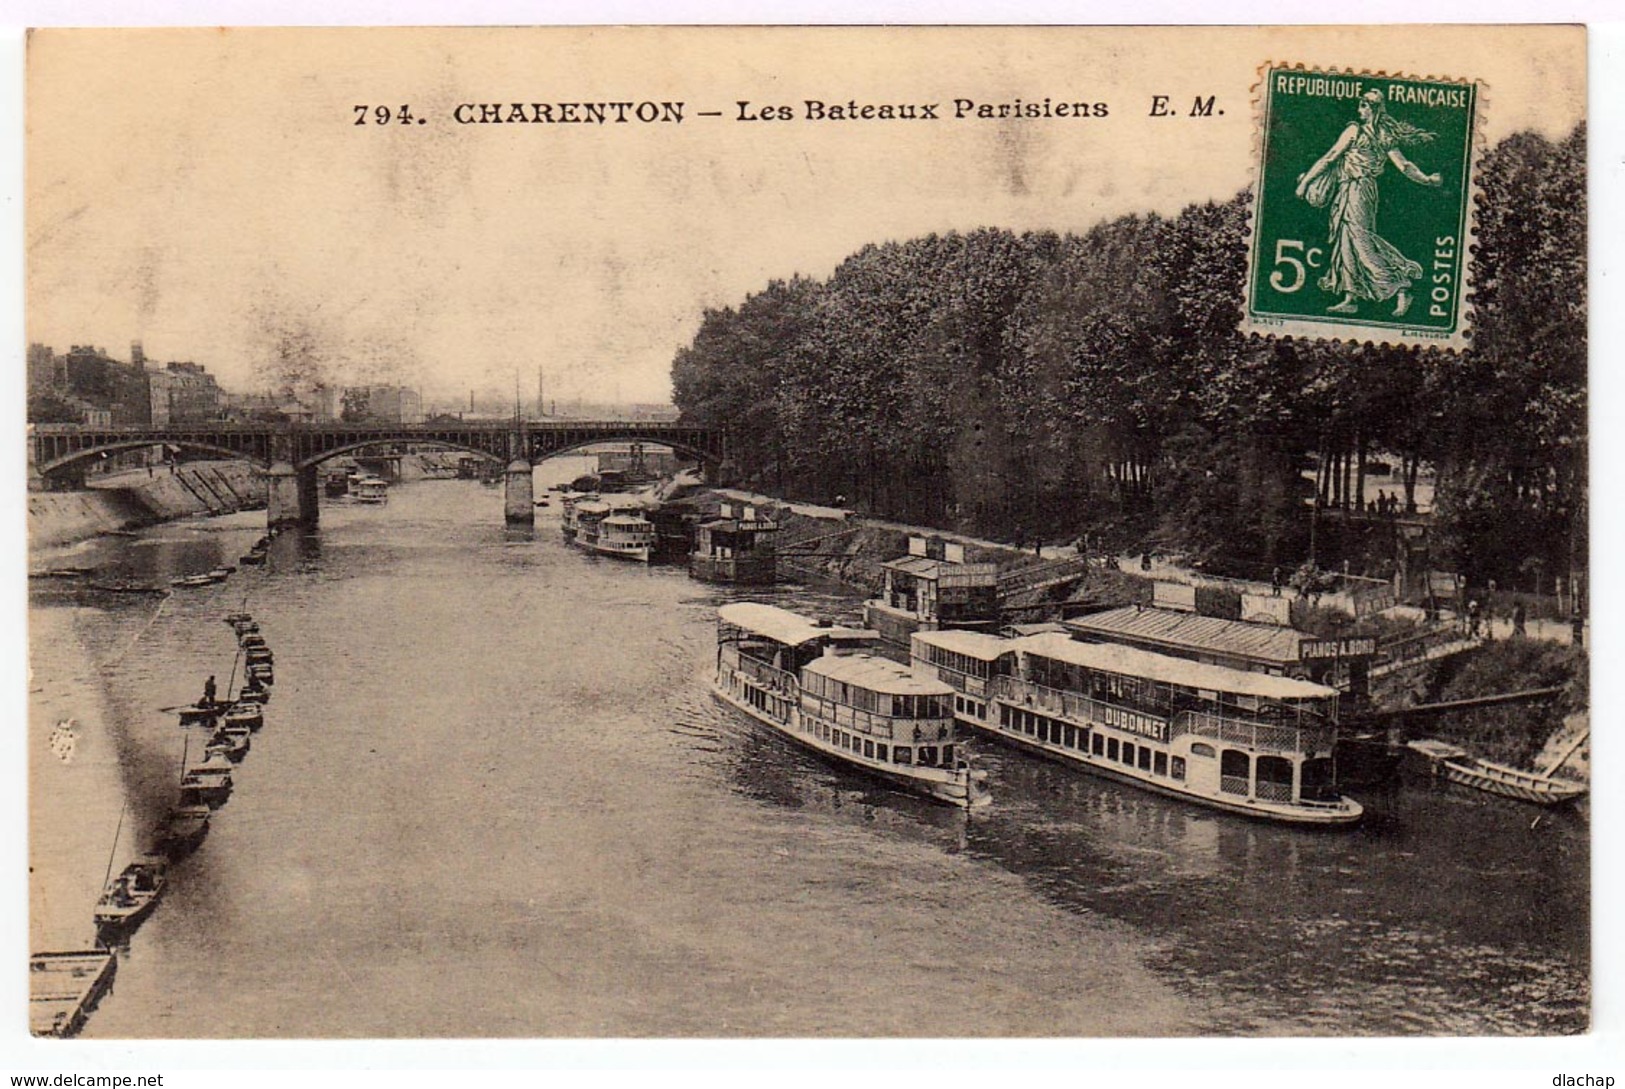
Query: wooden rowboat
pixel 1453 764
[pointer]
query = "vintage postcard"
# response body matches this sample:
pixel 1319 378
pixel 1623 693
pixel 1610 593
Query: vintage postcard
pixel 808 532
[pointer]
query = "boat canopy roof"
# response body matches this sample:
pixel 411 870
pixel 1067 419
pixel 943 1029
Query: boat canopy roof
pixel 972 644
pixel 784 626
pixel 626 520
pixel 1239 638
pixel 1114 658
pixel 875 675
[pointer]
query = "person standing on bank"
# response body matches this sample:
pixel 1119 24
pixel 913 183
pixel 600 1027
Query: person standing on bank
pixel 1361 264
pixel 208 691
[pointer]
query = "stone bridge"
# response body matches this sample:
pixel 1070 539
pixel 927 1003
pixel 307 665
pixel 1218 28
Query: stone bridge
pixel 290 453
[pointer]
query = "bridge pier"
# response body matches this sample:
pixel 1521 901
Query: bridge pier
pixel 290 495
pixel 518 506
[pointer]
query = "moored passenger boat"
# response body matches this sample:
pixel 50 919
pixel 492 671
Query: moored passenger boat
pixel 614 529
pixel 1242 742
pixel 370 489
pixel 818 685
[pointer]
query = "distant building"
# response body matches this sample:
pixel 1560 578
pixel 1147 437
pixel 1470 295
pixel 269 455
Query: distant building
pixel 382 404
pixel 119 389
pixel 46 369
pixel 194 395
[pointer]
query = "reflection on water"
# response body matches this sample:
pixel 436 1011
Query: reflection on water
pixel 493 796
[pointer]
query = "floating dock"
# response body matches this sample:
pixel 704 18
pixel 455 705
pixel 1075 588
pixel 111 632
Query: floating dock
pixel 64 987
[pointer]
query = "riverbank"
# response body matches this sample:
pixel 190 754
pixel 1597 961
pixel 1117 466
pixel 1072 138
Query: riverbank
pixel 133 500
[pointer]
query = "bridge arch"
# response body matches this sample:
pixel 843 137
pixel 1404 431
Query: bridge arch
pixel 56 465
pixel 340 451
pixel 708 458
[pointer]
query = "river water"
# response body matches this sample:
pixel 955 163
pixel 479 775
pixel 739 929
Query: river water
pixel 493 797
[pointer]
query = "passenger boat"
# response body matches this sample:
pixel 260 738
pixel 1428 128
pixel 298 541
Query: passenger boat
pixel 64 987
pixel 370 489
pixel 614 529
pixel 1247 743
pixel 1454 764
pixel 817 685
pixel 132 894
pixel 182 831
pixel 336 484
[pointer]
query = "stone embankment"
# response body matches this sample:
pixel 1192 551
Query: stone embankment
pixel 132 500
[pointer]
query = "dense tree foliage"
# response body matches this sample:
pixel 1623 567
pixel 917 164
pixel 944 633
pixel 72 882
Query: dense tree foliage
pixel 1044 384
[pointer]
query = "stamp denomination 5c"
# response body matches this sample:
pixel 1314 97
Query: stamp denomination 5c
pixel 1362 210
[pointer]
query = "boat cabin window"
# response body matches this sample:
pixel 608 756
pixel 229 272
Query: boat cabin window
pixel 947 756
pixel 868 748
pixel 1111 748
pixel 1160 764
pixel 880 753
pixel 902 754
pixel 1145 758
pixel 1176 767
pixel 1274 779
pixel 1097 744
pixel 1319 781
pixel 1202 748
pixel 928 755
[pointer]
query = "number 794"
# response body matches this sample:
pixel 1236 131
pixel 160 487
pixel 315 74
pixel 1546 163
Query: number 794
pixel 383 115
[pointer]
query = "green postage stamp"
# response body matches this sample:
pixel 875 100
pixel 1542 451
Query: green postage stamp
pixel 1362 212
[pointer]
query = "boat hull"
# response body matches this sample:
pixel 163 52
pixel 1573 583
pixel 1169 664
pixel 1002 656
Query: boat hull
pixel 1549 792
pixel 65 987
pixel 950 789
pixel 1339 817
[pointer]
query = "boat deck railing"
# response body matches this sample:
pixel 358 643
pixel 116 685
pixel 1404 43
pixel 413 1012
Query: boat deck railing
pixel 1253 735
pixel 1082 709
pixel 776 680
pixel 918 731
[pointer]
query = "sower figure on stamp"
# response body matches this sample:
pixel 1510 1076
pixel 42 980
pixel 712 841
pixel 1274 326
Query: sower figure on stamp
pixel 1362 264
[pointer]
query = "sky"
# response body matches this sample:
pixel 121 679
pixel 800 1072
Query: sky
pixel 208 193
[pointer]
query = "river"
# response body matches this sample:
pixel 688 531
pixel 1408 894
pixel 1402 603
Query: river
pixel 493 797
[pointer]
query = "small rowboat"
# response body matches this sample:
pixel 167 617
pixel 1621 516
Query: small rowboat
pixel 132 894
pixel 256 696
pixel 229 742
pixel 192 581
pixel 262 672
pixel 249 716
pixel 183 830
pixel 259 656
pixel 250 637
pixel 208 783
pixel 1454 764
pixel 234 619
pixel 251 559
pixel 197 714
